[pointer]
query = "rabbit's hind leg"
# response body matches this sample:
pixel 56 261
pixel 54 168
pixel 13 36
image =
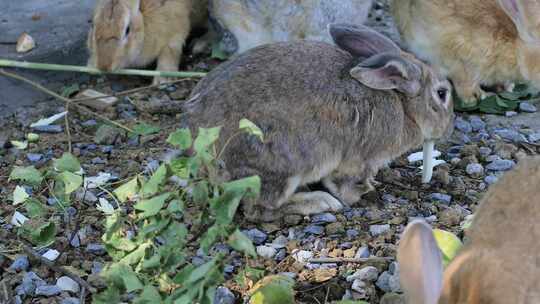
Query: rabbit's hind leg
pixel 308 203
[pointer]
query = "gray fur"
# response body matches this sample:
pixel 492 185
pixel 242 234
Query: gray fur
pixel 319 123
pixel 256 22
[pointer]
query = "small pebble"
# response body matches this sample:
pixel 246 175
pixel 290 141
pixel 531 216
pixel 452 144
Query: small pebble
pixel 362 253
pixel 49 129
pixel 475 170
pixel 89 123
pixel 323 218
pixel 492 158
pixel 67 284
pixel 352 233
pixel 281 254
pixel 501 165
pixel 34 157
pixel 48 290
pixel 527 107
pixel 366 274
pixel 376 230
pixel 491 179
pixel 256 236
pixel 360 287
pixel 444 198
pixel 485 151
pixel 510 135
pixel 477 123
pixel 383 281
pixel 96 249
pixel 314 229
pixel 266 252
pixel 462 125
pixel 302 256
pixel 510 113
pixel 21 263
pixel 70 300
pixel 224 296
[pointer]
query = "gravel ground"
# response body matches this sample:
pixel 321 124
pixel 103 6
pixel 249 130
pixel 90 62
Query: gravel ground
pixel 480 150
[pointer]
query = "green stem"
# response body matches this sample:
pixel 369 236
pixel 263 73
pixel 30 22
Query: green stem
pixel 81 69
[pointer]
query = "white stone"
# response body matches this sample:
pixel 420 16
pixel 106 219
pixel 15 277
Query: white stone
pixel 302 256
pixel 51 254
pixel 266 251
pixel 68 284
pixel 100 101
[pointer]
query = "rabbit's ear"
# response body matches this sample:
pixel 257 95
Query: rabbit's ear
pixel 524 15
pixel 389 72
pixel 420 264
pixel 361 41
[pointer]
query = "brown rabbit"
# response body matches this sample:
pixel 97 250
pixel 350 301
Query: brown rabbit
pixel 329 113
pixel 500 262
pixel 132 33
pixel 474 42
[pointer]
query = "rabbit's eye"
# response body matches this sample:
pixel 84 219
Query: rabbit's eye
pixel 442 93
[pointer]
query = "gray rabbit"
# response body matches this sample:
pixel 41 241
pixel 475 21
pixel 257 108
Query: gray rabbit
pixel 500 262
pixel 244 24
pixel 329 113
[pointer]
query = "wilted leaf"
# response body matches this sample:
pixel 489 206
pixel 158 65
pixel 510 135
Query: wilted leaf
pixel 49 120
pixel 449 244
pixel 26 174
pixel 105 207
pixel 145 129
pixel 67 162
pixel 251 128
pixel 127 190
pixel 71 181
pixel 150 207
pixel 44 235
pixel 180 138
pixel 151 187
pixel 19 195
pixel 19 145
pixel 273 289
pixel 240 242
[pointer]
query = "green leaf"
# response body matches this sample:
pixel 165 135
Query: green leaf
pixel 34 208
pixel 250 185
pixel 240 242
pixel 205 139
pixel 150 207
pixel 44 235
pixel 496 105
pixel 251 128
pixel 210 237
pixel 200 272
pixel 149 295
pixel 67 162
pixel 71 181
pixel 180 138
pixel 127 190
pixel 449 244
pixel 109 296
pixel 158 178
pixel 136 256
pixel 19 195
pixel 26 174
pixel 200 193
pixel 145 129
pixel 19 145
pixel 176 206
pixel 274 289
pixel 124 273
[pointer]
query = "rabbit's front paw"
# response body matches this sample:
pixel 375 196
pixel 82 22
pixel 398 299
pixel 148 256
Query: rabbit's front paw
pixel 307 203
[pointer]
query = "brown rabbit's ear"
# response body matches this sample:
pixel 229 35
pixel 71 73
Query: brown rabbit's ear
pixel 361 41
pixel 389 72
pixel 420 264
pixel 524 15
